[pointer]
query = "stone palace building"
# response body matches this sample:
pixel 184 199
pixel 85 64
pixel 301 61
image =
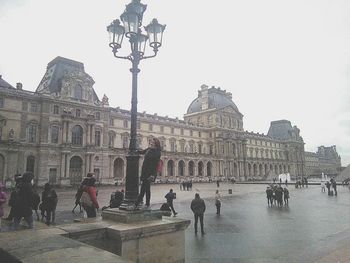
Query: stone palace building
pixel 63 130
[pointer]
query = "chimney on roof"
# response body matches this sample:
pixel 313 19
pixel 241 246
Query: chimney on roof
pixel 19 85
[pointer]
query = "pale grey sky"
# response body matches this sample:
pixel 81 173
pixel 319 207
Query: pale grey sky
pixel 280 59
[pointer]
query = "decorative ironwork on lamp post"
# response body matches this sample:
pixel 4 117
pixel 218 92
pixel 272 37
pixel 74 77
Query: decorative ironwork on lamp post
pixel 131 29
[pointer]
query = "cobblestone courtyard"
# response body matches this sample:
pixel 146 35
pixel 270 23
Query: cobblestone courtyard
pixel 315 226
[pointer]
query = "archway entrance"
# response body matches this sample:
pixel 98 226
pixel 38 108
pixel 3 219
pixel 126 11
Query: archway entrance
pixel 191 168
pixel 118 168
pixel 200 169
pixel 75 170
pixel 181 168
pixel 209 168
pixel 170 169
pixel 30 164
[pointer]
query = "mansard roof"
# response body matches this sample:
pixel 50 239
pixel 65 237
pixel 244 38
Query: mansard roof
pixel 55 72
pixel 5 84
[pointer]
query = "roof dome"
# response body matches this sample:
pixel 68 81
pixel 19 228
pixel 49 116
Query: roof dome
pixel 212 98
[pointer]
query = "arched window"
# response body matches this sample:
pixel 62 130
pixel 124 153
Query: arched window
pixel 209 168
pixel 77 135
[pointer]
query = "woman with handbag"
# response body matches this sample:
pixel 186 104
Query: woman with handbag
pixel 88 198
pixel 149 170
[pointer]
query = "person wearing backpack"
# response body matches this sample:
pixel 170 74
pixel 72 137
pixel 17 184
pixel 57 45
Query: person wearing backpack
pixel 89 198
pixel 49 203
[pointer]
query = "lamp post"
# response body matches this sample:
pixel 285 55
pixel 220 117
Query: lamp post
pixel 131 29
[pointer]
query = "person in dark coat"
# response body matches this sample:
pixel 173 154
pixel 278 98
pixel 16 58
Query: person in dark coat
pixel 169 199
pixel 269 196
pixel 149 170
pixel 24 200
pixel 13 197
pixel 334 185
pixel 328 185
pixel 49 203
pixel 198 209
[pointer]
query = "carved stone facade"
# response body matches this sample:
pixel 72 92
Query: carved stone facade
pixel 63 131
pixel 326 160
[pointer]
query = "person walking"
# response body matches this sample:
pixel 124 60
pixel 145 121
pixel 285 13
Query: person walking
pixel 334 185
pixel 198 209
pixel 2 201
pixel 149 171
pixel 323 187
pixel 286 196
pixel 217 183
pixel 89 198
pixel 23 201
pixel 217 202
pixel 49 203
pixel 169 199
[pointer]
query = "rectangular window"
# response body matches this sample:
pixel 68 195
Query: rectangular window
pixel 34 107
pixel 191 148
pixel 172 130
pixel 125 124
pixel 111 122
pixel 24 106
pixel 191 133
pixel 162 145
pixel 150 127
pixel 210 149
pixel 138 125
pixel 200 148
pixel 56 109
pixel 161 128
pixel 210 135
pixel 97 138
pixel 182 131
pixel 182 147
pixel 199 134
pixel 97 115
pixel 54 134
pixel 32 133
pixel 1 102
pixel 77 113
pixel 125 142
pixel 172 146
pixel 110 140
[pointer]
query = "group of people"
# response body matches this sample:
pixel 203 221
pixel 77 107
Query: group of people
pixel 276 195
pixel 302 182
pixel 24 198
pixel 186 185
pixel 330 185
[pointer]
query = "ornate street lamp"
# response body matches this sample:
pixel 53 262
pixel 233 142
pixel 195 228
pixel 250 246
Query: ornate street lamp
pixel 131 29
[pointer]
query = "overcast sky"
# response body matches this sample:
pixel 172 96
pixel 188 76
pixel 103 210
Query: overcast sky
pixel 279 59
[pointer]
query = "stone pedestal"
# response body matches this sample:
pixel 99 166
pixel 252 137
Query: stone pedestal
pixel 144 236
